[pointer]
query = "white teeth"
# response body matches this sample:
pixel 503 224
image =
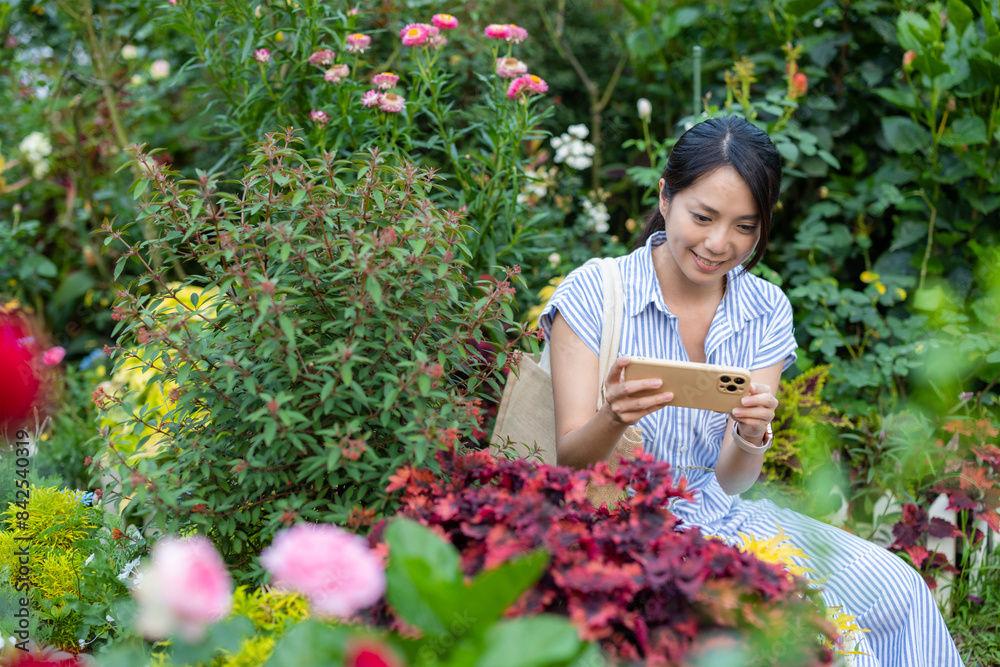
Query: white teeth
pixel 705 261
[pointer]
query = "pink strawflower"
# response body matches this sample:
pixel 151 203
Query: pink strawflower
pixel 415 34
pixel 371 98
pixel 335 569
pixel 358 43
pixel 53 355
pixel 510 68
pixel 437 40
pixel 445 21
pixel 391 103
pixel 318 117
pixel 323 58
pixel 262 55
pixel 337 73
pixel 516 34
pixel 385 80
pixel 185 587
pixel 352 12
pixel 526 84
pixel 173 3
pixel 497 31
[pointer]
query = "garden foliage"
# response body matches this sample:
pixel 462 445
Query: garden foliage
pixel 625 576
pixel 335 339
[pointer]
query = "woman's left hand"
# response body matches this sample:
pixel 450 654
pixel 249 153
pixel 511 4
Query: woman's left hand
pixel 756 412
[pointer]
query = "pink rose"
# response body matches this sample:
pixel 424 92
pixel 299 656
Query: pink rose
pixel 53 355
pixel 185 587
pixel 335 569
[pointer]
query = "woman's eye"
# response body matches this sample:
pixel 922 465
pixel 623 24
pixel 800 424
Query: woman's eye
pixel 700 218
pixel 749 229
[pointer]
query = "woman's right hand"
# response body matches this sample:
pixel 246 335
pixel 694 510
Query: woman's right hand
pixel 619 400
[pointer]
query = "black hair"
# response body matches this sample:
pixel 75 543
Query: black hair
pixel 713 144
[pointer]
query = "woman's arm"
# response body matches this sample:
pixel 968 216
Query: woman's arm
pixel 585 435
pixel 737 470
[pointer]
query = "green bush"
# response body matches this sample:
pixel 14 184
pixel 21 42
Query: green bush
pixel 336 338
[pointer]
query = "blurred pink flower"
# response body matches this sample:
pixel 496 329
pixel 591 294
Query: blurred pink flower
pixel 323 58
pixel 509 68
pixel 436 39
pixel 391 103
pixel 525 84
pixel 445 21
pixel 358 43
pixel 415 34
pixel 173 3
pixel 319 117
pixel 262 55
pixel 497 31
pixel 385 80
pixel 337 73
pixel 335 569
pixel 352 12
pixel 371 98
pixel 517 34
pixel 53 355
pixel 185 587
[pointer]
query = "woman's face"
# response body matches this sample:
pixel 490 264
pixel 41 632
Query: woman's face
pixel 712 226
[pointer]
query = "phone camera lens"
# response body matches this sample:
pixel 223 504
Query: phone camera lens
pixel 731 387
pixel 725 378
pixel 738 380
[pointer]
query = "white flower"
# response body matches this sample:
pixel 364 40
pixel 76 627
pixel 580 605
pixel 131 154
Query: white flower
pixel 89 558
pixel 572 149
pixel 644 108
pixel 160 69
pixel 595 217
pixel 109 619
pixel 137 80
pixel 579 131
pixel 129 52
pixel 554 259
pixel 127 577
pixel 36 147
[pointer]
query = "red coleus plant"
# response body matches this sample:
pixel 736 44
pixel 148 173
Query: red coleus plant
pixel 626 576
pixel 972 485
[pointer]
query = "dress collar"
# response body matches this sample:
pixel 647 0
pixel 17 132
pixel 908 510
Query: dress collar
pixel 744 298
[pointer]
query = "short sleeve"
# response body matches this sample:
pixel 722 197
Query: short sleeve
pixel 778 340
pixel 580 300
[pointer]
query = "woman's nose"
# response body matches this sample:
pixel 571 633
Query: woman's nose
pixel 716 241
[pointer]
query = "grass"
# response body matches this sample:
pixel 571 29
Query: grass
pixel 973 624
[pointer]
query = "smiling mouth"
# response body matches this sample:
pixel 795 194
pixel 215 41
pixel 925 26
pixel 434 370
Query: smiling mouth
pixel 706 262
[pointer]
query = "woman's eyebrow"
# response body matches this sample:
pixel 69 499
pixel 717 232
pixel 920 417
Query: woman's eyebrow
pixel 749 216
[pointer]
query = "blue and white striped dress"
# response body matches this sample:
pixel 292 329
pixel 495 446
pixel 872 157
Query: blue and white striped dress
pixel 753 329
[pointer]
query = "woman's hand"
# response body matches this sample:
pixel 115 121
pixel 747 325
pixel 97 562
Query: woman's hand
pixel 625 407
pixel 756 412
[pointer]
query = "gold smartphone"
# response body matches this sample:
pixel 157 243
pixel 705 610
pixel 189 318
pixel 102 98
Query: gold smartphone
pixel 694 385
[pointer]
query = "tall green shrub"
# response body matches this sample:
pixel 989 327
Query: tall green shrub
pixel 334 338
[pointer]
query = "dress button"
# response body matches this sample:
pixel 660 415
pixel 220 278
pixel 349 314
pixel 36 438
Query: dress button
pixel 683 447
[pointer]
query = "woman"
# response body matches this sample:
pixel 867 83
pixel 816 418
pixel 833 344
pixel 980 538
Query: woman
pixel 688 296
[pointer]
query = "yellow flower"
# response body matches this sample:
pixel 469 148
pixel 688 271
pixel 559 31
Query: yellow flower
pixel 544 295
pixel 848 631
pixel 868 276
pixel 279 37
pixel 901 293
pixel 774 550
pixel 880 287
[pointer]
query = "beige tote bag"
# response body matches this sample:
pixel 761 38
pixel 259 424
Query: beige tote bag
pixel 526 417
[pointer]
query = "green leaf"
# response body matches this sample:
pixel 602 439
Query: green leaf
pixel 139 187
pixel 288 329
pixel 799 8
pixel 374 289
pixel 529 642
pixel 310 643
pixel 424 578
pixel 931 66
pixel 493 591
pixel 678 20
pixel 788 150
pixel 959 15
pixel 903 134
pixel 904 99
pixel 970 130
pixel 828 157
pixel 298 197
pixel 986 11
pixel 915 33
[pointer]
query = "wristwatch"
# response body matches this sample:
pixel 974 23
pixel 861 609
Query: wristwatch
pixel 748 446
